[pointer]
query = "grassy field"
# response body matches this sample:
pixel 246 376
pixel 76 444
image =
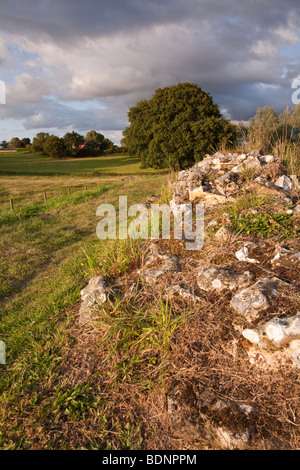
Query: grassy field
pixel 49 251
pixel 38 164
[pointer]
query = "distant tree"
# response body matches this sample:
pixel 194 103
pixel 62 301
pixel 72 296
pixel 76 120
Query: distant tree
pixel 109 147
pixel 15 143
pixel 54 147
pixel 39 141
pixel 4 144
pixel 97 144
pixel 29 148
pixel 25 141
pixel 95 136
pixel 176 127
pixel 72 141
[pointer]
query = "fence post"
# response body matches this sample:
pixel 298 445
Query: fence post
pixel 45 197
pixel 12 204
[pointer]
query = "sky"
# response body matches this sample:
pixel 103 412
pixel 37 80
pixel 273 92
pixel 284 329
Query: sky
pixel 79 65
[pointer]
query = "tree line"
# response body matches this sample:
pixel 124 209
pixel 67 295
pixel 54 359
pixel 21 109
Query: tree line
pixel 176 128
pixel 71 145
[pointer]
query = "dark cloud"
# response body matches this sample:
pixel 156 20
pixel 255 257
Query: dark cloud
pixel 119 51
pixel 66 19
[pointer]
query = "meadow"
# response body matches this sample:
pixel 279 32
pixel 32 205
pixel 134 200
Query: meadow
pixel 49 251
pixel 38 164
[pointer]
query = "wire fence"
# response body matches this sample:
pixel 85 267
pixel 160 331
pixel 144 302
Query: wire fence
pixel 45 196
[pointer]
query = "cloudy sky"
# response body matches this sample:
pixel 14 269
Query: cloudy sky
pixel 80 64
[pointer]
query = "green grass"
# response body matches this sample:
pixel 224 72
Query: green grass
pixel 49 251
pixel 60 202
pixel 267 224
pixel 138 338
pixel 38 164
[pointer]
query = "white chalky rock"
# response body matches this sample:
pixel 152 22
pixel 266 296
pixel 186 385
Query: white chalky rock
pixel 254 336
pixel 217 284
pixel 277 330
pixel 93 295
pixel 242 255
pixel 256 298
pixel 274 331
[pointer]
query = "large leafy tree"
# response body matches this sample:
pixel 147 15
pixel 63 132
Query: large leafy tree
pixel 16 143
pixel 176 127
pixel 73 141
pixel 39 141
pixel 96 143
pixel 54 147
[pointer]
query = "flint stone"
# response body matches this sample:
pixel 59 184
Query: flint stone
pixel 225 179
pixel 253 300
pixel 93 295
pixel 285 183
pixel 286 258
pixel 251 161
pixel 277 330
pixel 151 275
pixel 266 159
pixel 167 263
pixel 243 255
pixel 222 278
pixel 182 292
pixel 263 182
